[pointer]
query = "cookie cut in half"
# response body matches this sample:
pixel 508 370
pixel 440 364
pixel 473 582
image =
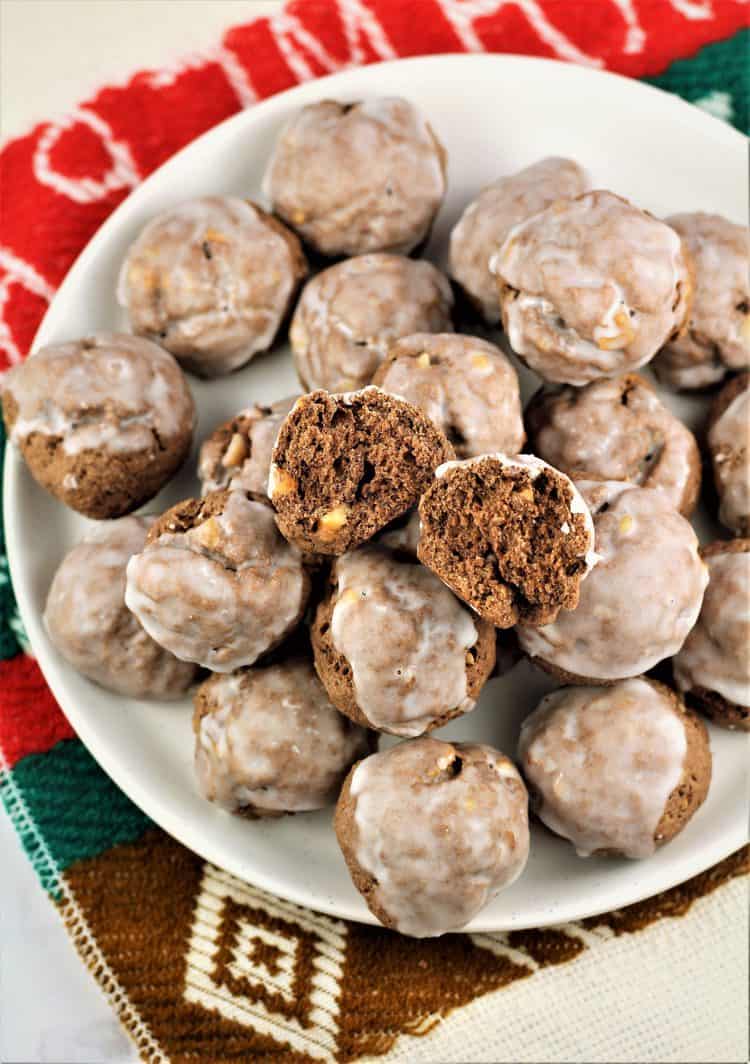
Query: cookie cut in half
pixel 344 466
pixel 510 536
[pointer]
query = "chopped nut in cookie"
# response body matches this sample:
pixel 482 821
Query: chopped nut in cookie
pixel 344 466
pixel 237 454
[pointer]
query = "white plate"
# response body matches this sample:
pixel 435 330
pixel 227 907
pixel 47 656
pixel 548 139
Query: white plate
pixel 494 114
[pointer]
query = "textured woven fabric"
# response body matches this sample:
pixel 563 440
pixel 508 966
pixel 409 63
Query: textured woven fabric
pixel 198 965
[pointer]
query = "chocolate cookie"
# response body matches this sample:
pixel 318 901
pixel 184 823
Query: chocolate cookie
pixel 617 429
pixel 358 177
pixel 349 315
pixel 211 280
pixel 103 423
pixel 216 583
pixel 432 831
pixel 238 453
pixel 466 386
pixel 713 667
pixel 486 222
pixel 591 287
pixel 87 619
pixel 728 438
pixel 395 649
pixel 511 536
pixel 617 770
pixel 717 339
pixel 268 741
pixel 346 465
pixel 641 599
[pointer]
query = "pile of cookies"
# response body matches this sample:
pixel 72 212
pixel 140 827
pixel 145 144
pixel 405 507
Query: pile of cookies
pixel 355 550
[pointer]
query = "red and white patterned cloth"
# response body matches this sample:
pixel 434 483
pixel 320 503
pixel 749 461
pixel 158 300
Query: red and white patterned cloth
pixel 61 181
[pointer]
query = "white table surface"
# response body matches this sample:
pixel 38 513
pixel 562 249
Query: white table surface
pixel 52 54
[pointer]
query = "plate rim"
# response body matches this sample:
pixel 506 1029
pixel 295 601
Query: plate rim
pixel 715 848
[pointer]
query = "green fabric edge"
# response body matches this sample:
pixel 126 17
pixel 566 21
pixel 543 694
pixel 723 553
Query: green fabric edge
pixel 65 808
pixel 722 68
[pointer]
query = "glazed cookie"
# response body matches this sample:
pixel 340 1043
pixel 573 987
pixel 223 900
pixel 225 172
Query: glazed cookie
pixel 216 583
pixel 488 219
pixel 641 600
pixel 617 770
pixel 717 339
pixel 465 385
pixel 617 429
pixel 268 741
pixel 713 667
pixel 344 466
pixel 511 536
pixel 211 280
pixel 103 423
pixel 432 831
pixel 238 453
pixel 591 287
pixel 358 177
pixel 395 649
pixel 87 619
pixel 728 440
pixel 349 315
